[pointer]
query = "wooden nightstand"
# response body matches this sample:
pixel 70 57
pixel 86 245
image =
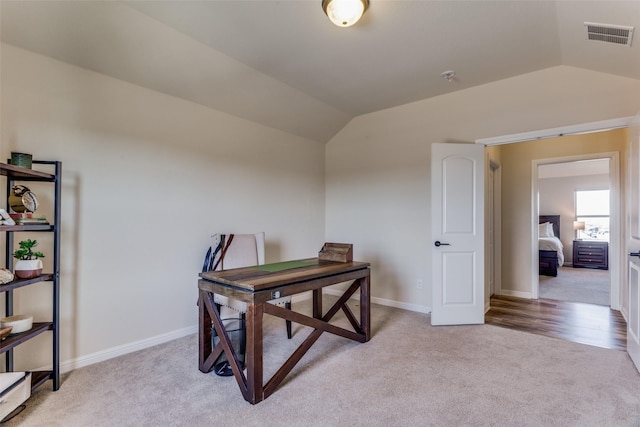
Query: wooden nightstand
pixel 591 254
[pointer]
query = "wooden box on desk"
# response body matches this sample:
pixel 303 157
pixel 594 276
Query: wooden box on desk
pixel 341 252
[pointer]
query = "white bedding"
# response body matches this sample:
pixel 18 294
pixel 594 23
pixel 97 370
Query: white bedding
pixel 552 244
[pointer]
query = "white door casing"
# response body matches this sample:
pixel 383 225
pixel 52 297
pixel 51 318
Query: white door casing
pixel 616 218
pixel 457 218
pixel 493 231
pixel 633 245
pixel 633 315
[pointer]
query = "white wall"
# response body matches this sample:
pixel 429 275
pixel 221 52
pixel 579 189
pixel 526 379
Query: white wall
pixel 378 166
pixel 152 176
pixel 557 197
pixel 147 178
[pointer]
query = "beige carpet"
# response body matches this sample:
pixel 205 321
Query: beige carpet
pixel 409 374
pixel 585 285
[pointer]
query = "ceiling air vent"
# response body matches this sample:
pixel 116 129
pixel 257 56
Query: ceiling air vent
pixel 617 34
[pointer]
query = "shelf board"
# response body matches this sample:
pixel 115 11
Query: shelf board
pixel 16 339
pixel 39 377
pixel 36 227
pixel 18 283
pixel 16 172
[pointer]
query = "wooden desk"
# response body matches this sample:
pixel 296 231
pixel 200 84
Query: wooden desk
pixel 257 286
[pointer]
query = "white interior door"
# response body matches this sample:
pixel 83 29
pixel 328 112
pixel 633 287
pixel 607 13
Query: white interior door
pixel 633 315
pixel 457 229
pixel 633 312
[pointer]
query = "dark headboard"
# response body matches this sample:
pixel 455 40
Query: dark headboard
pixel 554 220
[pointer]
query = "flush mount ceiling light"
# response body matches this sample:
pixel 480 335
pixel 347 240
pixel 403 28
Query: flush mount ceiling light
pixel 449 75
pixel 344 13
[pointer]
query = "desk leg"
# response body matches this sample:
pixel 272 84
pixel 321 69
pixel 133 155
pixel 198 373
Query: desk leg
pixel 255 388
pixel 365 306
pixel 204 332
pixel 317 303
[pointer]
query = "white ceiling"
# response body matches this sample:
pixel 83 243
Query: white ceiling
pixel 283 64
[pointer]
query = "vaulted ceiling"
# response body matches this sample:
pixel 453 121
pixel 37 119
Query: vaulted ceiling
pixel 283 64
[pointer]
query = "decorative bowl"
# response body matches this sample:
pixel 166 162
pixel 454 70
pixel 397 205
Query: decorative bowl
pixel 19 323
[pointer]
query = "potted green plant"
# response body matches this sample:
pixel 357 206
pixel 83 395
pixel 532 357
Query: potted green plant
pixel 29 264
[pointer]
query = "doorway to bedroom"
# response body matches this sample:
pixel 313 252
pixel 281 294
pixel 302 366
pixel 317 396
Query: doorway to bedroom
pixel 576 195
pixel 516 302
pixel 587 321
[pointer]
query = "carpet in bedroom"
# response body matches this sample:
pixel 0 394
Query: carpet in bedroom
pixel 409 374
pixel 578 285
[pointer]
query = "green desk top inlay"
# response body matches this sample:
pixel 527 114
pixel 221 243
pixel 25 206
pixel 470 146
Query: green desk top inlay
pixel 286 265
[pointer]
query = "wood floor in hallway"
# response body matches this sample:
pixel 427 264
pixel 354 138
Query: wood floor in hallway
pixel 595 325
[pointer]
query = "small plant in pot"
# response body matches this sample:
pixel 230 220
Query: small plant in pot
pixel 28 264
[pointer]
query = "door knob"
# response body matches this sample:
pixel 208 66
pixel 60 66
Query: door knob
pixel 634 254
pixel 438 244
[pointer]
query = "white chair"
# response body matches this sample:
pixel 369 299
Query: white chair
pixel 236 251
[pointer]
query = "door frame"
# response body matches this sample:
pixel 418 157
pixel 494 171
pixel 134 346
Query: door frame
pixel 493 236
pixel 633 245
pixel 615 229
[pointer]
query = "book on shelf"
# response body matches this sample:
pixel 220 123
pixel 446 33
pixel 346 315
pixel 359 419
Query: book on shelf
pixel 31 222
pixel 24 215
pixel 28 218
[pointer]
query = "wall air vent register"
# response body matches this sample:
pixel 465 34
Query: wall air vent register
pixel 617 34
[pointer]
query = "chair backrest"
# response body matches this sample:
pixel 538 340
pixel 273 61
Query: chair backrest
pixel 241 250
pixel 238 250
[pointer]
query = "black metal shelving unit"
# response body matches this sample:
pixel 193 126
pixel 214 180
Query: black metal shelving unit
pixel 13 175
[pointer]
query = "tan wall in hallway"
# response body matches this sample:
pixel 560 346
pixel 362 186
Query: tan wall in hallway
pixel 517 199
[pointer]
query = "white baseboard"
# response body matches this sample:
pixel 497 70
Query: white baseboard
pixel 381 301
pixel 302 296
pixel 517 294
pixel 402 305
pixel 386 302
pixel 121 350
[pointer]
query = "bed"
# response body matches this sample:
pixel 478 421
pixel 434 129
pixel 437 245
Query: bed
pixel 550 247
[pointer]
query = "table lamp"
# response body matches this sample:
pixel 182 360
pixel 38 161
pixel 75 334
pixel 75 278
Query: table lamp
pixel 578 226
